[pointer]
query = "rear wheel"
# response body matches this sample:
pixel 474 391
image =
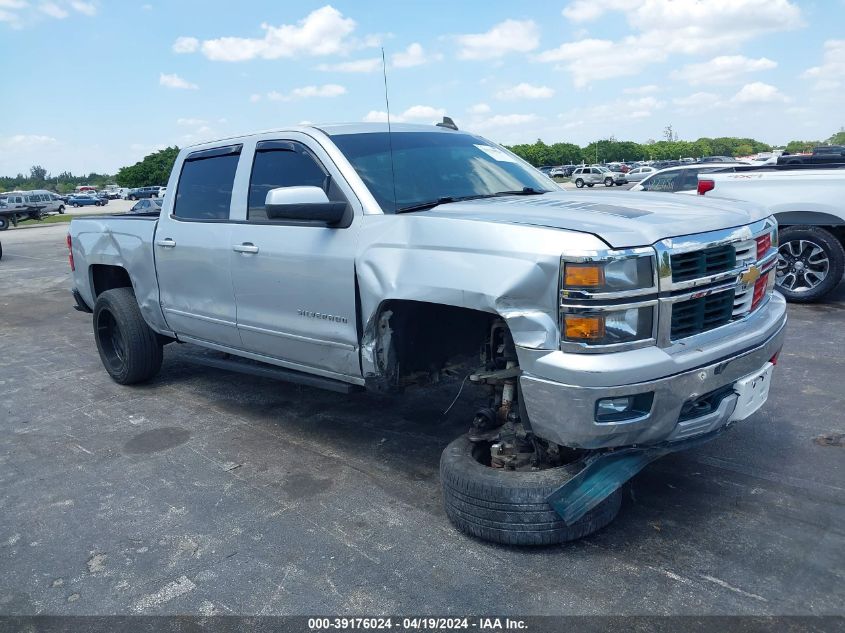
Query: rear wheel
pixel 130 350
pixel 810 264
pixel 509 506
pixel 579 183
pixel 4 223
pixel 590 184
pixel 132 198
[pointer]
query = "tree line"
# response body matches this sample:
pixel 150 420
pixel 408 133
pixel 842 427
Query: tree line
pixel 670 148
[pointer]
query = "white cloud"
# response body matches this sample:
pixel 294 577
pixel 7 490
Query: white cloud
pixel 13 4
pixel 697 100
pixel 53 10
pixel 758 92
pixel 689 27
pixel 479 108
pixel 414 113
pixel 588 10
pixel 175 81
pixel 21 141
pixel 641 90
pixel 191 122
pixel 724 69
pixel 87 8
pixel 829 75
pixel 306 92
pixel 357 66
pixel 499 121
pixel 255 97
pixel 324 31
pixel 592 59
pixel 414 55
pixel 525 91
pixel 186 45
pixel 510 36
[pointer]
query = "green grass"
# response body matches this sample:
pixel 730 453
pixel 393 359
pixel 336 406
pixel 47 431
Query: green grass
pixel 50 219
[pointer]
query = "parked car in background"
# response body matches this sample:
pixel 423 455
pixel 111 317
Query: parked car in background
pixel 85 200
pixel 638 173
pixel 16 206
pixel 162 191
pixel 546 169
pixel 824 154
pixel 147 205
pixel 809 205
pixel 681 179
pixel 143 192
pixel 595 175
pixel 716 159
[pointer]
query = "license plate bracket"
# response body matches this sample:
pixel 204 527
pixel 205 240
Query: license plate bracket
pixel 752 392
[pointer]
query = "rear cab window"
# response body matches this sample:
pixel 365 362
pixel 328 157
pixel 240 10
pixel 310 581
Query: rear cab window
pixel 205 184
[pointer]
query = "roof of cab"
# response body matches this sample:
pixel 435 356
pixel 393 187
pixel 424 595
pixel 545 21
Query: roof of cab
pixel 333 129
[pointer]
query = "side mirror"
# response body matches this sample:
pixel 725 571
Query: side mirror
pixel 303 203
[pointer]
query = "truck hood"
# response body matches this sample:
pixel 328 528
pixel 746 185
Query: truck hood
pixel 623 220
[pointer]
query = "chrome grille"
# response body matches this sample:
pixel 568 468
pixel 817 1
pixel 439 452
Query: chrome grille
pixel 700 314
pixel 703 263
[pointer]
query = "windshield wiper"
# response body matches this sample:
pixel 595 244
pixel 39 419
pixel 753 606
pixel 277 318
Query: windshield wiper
pixel 422 206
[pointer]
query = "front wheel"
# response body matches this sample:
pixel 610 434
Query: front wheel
pixel 132 198
pixel 579 183
pixel 608 182
pixel 509 506
pixel 129 349
pixel 810 264
pixel 61 209
pixel 4 223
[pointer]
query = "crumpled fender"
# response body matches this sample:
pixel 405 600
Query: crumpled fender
pixel 511 271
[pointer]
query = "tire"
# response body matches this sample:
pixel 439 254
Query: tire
pixel 76 205
pixel 510 507
pixel 811 262
pixel 579 183
pixel 132 198
pixel 4 223
pixel 590 184
pixel 619 184
pixel 130 351
pixel 61 209
pixel 608 182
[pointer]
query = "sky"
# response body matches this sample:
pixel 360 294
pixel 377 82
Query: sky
pixel 92 85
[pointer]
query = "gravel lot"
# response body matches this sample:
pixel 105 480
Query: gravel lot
pixel 208 492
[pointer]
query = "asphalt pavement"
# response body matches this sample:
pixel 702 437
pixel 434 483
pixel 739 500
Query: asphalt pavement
pixel 209 492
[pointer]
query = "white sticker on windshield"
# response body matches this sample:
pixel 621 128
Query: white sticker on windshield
pixel 496 154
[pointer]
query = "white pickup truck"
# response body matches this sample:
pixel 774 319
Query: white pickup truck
pixel 602 332
pixel 809 205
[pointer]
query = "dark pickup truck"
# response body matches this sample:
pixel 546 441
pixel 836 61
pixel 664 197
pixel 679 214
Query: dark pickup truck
pixel 821 155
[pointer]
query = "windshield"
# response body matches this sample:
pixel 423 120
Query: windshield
pixel 428 166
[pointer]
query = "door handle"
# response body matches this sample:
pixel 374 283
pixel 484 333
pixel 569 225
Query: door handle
pixel 246 247
pixel 166 243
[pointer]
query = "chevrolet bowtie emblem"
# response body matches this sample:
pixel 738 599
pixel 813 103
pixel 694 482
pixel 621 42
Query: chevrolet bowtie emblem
pixel 751 275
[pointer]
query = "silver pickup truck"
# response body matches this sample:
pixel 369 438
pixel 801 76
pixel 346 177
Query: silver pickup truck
pixel 605 330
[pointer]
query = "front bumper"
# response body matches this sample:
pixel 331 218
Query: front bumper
pixel 564 413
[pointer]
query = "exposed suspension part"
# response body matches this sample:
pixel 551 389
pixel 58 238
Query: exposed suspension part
pixel 512 444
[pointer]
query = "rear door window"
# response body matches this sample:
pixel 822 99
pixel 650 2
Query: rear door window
pixel 205 184
pixel 664 182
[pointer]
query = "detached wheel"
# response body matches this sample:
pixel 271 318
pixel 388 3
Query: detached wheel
pixel 510 507
pixel 130 351
pixel 810 264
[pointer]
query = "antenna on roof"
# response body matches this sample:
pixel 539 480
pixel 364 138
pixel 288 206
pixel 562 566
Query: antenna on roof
pixel 448 123
pixel 389 131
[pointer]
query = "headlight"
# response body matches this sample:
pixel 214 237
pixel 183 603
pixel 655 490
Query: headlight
pixel 614 275
pixel 609 327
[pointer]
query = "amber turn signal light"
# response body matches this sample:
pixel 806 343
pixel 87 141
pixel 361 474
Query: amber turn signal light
pixel 583 328
pixel 583 276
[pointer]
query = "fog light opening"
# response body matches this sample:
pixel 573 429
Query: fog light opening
pixel 623 408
